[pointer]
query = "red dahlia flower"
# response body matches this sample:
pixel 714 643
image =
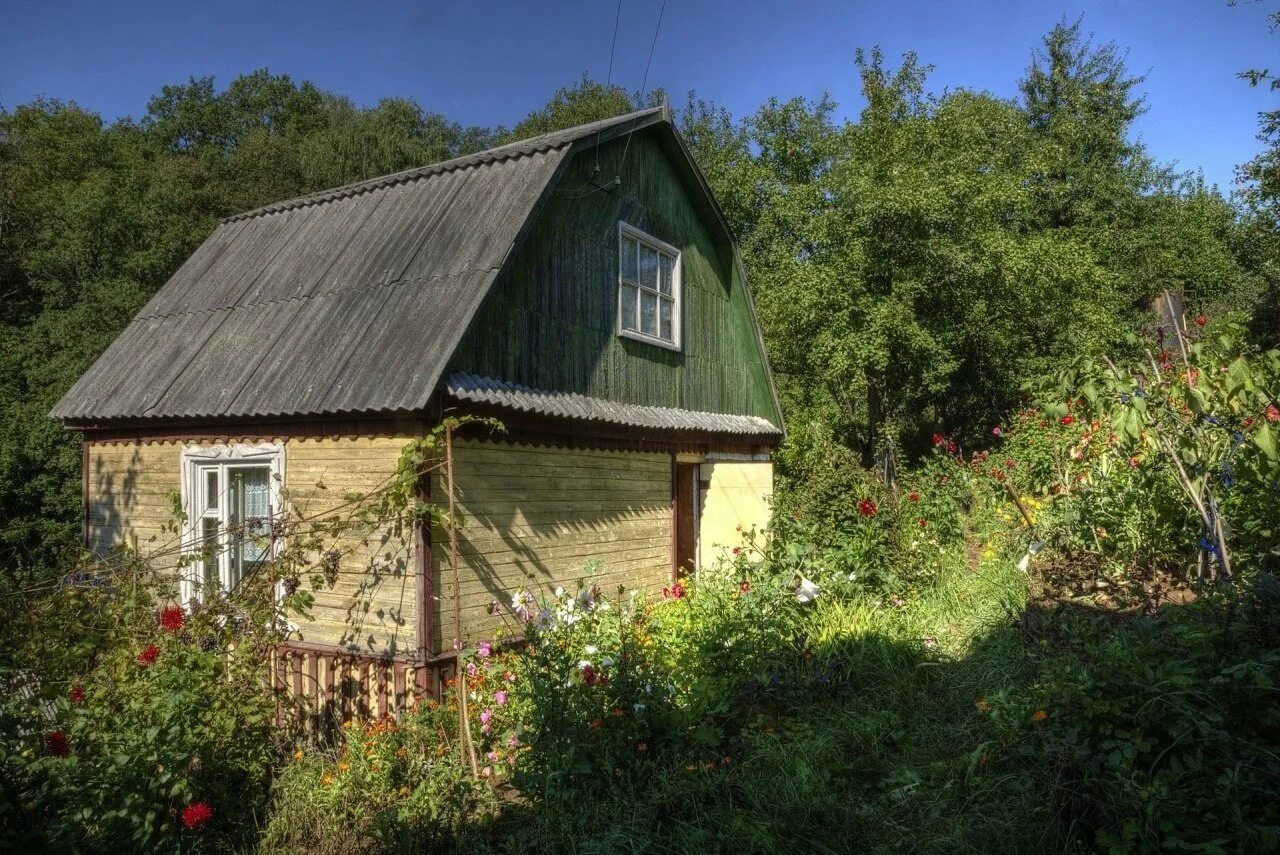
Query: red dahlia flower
pixel 1273 413
pixel 77 694
pixel 171 619
pixel 589 674
pixel 1201 320
pixel 952 448
pixel 939 439
pixel 1068 419
pixel 867 508
pixel 913 496
pixel 197 814
pixel 149 655
pixel 744 586
pixel 57 744
pixel 924 523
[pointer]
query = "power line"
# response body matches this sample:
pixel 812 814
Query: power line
pixel 644 83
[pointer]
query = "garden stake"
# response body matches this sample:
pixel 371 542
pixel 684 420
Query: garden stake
pixel 465 748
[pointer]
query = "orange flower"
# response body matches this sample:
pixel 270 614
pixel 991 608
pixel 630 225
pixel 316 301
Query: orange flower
pixel 1039 715
pixel 595 724
pixel 981 703
pixel 344 766
pixel 327 779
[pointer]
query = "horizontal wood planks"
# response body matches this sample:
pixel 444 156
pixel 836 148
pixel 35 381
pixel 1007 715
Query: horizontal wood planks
pixel 533 517
pixel 130 498
pixel 373 604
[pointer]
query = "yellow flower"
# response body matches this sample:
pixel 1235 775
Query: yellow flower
pixel 327 779
pixel 1039 715
pixel 346 725
pixel 981 703
pixel 298 755
pixel 404 791
pixel 344 766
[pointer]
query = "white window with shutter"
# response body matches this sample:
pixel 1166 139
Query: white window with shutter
pixel 649 288
pixel 230 495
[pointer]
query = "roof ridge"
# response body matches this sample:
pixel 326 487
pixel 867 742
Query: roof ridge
pixel 507 151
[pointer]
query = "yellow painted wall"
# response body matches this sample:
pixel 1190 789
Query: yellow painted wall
pixel 533 516
pixel 132 488
pixel 735 500
pixel 372 606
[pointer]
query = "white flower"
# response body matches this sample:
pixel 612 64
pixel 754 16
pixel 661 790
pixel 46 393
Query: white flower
pixel 591 649
pixel 808 591
pixel 559 592
pixel 607 662
pixel 639 708
pixel 585 663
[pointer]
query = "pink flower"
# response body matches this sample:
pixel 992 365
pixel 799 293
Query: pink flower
pixel 486 716
pixel 513 741
pixel 484 649
pixel 510 677
pixel 472 670
pixel 500 697
pixel 996 431
pixel 1273 413
pixel 493 756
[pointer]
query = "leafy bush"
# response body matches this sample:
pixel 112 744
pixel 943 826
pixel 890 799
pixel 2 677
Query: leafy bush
pixel 148 728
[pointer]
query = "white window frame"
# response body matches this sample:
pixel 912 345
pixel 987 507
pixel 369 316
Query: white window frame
pixel 626 230
pixel 197 461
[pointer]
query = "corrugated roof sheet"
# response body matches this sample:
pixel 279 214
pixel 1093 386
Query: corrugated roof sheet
pixel 512 396
pixel 346 301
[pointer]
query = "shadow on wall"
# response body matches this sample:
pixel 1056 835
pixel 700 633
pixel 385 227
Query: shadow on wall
pixel 534 517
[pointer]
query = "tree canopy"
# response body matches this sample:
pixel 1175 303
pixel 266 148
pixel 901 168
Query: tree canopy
pixel 912 267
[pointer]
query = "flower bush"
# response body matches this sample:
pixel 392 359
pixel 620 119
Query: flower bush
pixel 155 730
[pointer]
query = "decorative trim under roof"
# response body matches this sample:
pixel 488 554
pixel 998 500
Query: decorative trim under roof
pixel 569 405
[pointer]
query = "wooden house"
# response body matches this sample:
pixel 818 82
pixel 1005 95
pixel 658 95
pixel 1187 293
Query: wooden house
pixel 582 287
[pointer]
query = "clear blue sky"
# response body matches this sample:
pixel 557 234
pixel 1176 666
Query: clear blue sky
pixel 491 62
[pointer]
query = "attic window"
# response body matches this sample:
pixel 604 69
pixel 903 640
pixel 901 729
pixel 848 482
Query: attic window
pixel 648 288
pixel 230 493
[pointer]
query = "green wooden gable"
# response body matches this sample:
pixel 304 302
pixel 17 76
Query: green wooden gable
pixel 550 321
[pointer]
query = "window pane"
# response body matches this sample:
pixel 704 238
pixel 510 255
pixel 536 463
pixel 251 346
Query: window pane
pixel 664 271
pixel 208 554
pixel 648 313
pixel 250 495
pixel 210 489
pixel 628 264
pixel 628 307
pixel 664 309
pixel 649 268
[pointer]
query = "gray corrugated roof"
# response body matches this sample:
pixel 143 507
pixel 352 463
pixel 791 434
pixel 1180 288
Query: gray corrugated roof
pixel 513 396
pixel 346 301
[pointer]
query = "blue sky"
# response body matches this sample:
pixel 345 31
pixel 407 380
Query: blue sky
pixel 489 63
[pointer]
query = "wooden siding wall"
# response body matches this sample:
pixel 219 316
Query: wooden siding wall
pixel 372 607
pixel 132 489
pixel 533 516
pixel 550 321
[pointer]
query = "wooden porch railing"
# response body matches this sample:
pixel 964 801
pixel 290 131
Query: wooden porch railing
pixel 325 686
